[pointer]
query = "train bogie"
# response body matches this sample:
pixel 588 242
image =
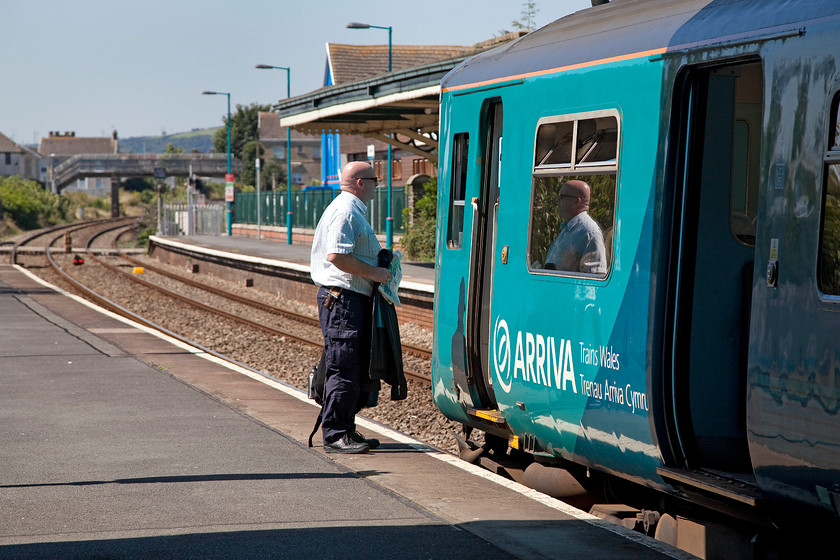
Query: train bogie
pixel 639 248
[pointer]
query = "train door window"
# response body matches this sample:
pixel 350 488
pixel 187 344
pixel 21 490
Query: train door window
pixel 746 143
pixel 574 194
pixel 457 189
pixel 829 259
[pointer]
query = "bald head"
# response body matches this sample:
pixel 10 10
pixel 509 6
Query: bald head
pixel 573 199
pixel 358 178
pixel 577 188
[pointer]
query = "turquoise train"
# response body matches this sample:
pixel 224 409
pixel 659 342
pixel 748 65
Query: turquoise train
pixel 699 357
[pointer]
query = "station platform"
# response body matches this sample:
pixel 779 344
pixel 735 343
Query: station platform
pixel 120 443
pixel 419 276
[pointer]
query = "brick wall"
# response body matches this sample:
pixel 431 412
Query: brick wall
pixel 417 307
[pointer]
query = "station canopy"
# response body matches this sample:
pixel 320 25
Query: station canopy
pixel 404 103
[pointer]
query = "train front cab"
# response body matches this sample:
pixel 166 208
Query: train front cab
pixel 472 260
pixel 510 331
pixel 712 260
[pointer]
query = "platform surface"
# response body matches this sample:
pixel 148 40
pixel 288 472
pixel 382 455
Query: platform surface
pixel 116 443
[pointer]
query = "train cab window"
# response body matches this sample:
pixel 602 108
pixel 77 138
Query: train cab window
pixel 828 272
pixel 457 189
pixel 554 145
pixel 573 195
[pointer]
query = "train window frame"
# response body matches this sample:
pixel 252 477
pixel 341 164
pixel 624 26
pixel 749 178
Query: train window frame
pixel 457 190
pixel 577 167
pixel 831 169
pixel 743 207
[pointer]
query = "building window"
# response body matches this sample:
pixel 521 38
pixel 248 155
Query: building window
pixel 381 172
pixel 316 152
pixel 457 190
pixel 280 152
pixel 828 271
pixel 573 195
pixel 8 158
pixel 422 167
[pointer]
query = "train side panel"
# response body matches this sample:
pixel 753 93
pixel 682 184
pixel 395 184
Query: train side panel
pixel 794 373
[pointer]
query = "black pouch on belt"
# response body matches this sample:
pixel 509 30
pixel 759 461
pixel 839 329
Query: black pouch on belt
pixel 332 295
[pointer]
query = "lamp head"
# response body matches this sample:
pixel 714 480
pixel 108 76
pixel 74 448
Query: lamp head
pixel 356 25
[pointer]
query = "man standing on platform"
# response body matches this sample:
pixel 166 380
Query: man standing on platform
pixel 344 266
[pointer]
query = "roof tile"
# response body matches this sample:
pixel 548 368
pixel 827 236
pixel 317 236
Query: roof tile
pixel 351 63
pixel 7 146
pixel 72 145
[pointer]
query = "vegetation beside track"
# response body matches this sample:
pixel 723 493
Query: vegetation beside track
pixel 25 206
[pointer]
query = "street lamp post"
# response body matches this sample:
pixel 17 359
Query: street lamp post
pixel 259 202
pixel 288 150
pixel 229 214
pixel 357 25
pixel 389 220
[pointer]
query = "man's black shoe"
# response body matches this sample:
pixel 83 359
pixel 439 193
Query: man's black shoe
pixel 346 444
pixel 373 443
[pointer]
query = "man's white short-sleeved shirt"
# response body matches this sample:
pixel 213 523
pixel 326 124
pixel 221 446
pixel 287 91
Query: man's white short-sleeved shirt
pixel 579 247
pixel 344 229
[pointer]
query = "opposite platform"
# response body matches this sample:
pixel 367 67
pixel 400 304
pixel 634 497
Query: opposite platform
pixel 282 269
pixel 422 274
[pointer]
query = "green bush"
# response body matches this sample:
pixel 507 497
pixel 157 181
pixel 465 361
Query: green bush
pixel 418 241
pixel 29 206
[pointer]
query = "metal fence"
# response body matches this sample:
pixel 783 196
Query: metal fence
pixel 183 219
pixel 307 207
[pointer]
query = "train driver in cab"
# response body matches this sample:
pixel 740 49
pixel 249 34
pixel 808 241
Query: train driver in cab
pixel 580 245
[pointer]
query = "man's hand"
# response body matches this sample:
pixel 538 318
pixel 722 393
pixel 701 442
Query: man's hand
pixel 351 265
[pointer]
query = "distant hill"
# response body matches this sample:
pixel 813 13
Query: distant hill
pixel 200 139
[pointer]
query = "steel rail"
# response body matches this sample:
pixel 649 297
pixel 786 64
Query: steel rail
pixel 408 348
pixel 102 301
pixel 54 229
pixel 230 316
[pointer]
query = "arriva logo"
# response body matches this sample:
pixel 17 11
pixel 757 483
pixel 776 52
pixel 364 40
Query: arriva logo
pixel 501 353
pixel 533 358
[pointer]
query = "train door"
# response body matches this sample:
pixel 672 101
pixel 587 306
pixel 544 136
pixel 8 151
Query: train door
pixel 713 252
pixel 485 210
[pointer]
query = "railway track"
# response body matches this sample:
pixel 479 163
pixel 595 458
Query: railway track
pixel 277 357
pixel 27 244
pixel 306 319
pixel 313 341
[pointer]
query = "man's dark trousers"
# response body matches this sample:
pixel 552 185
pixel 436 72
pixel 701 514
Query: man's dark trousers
pixel 347 330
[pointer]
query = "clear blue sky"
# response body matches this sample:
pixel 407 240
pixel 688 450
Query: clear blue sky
pixel 140 66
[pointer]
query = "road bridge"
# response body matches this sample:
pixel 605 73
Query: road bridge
pixel 116 166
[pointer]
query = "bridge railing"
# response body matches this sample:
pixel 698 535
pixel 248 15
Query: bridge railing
pixel 139 165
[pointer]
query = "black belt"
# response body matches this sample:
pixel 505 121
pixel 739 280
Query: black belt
pixel 334 292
